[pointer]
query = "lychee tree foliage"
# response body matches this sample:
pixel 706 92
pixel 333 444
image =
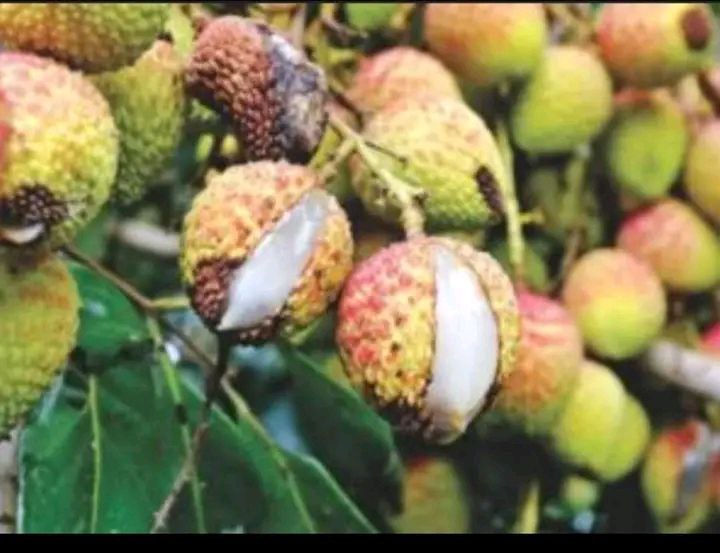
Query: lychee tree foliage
pixel 357 268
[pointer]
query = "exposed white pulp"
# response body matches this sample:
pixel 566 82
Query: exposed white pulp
pixel 22 235
pixel 261 286
pixel 466 347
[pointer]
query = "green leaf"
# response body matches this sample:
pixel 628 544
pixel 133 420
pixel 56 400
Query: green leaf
pixel 370 16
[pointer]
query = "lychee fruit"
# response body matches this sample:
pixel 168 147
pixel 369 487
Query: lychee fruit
pixel 486 43
pixel 274 97
pixel 91 37
pixel 564 104
pixel 148 104
pixel 428 331
pixel 646 146
pixel 617 301
pixel 652 44
pixel 435 499
pixel 549 358
pixel 681 248
pixel 677 476
pixel 701 179
pixel 265 250
pixel 37 332
pixel 710 340
pixel 61 155
pixel 442 147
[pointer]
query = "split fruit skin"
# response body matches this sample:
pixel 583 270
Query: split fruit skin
pixel 602 429
pixel 447 151
pixel 393 334
pixel 650 45
pixel 434 500
pixel 275 98
pixel 36 303
pixel 679 477
pixel 676 242
pixel 564 104
pixel 617 301
pixel 646 146
pixel 701 178
pixel 399 72
pixel 549 359
pixel 485 43
pixel 229 226
pixel 61 156
pixel 92 37
pixel 149 108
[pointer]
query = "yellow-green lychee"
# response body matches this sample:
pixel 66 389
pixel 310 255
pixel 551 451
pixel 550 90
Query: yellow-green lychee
pixel 37 332
pixel 61 156
pixel 265 250
pixel 630 442
pixel 646 146
pixel 90 36
pixel 428 331
pixel 655 44
pixel 701 178
pixel 148 104
pixel 676 242
pixel 549 358
pixel 435 498
pixel 442 147
pixel 399 72
pixel 617 301
pixel 564 104
pixel 486 43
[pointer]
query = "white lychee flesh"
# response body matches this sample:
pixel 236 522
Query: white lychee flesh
pixel 22 235
pixel 260 287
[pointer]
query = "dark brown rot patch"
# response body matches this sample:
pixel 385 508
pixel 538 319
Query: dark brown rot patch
pixel 488 187
pixel 697 28
pixel 32 204
pixel 209 294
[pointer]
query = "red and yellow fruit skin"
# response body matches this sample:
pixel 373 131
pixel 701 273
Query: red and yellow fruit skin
pixel 486 43
pixel 235 211
pixel 396 72
pixel 549 357
pixel 681 248
pixel 646 45
pixel 617 301
pixel 62 138
pixel 37 332
pixel 701 178
pixel 386 319
pixel 88 36
pixel 710 341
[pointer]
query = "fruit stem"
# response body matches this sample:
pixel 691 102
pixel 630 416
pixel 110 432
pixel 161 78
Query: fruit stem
pixel 527 522
pixel 574 175
pixel 687 368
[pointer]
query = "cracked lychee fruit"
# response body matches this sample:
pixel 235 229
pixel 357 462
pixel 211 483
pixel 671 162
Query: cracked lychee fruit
pixel 428 331
pixel 37 333
pixel 265 250
pixel 275 98
pixel 617 301
pixel 676 242
pixel 443 148
pixel 91 37
pixel 486 43
pixel 59 155
pixel 564 104
pixel 398 72
pixel 678 476
pixel 701 178
pixel 653 44
pixel 549 358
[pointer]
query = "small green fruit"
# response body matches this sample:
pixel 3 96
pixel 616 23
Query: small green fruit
pixel 701 179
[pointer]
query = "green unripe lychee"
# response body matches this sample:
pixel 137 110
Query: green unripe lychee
pixel 654 44
pixel 646 146
pixel 445 149
pixel 630 442
pixel 37 332
pixel 61 156
pixel 148 104
pixel 486 44
pixel 701 179
pixel 88 36
pixel 681 248
pixel 617 301
pixel 564 104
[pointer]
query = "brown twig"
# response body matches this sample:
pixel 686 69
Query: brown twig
pixel 710 90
